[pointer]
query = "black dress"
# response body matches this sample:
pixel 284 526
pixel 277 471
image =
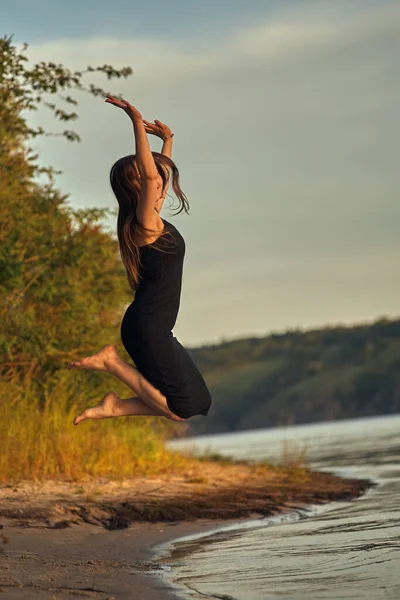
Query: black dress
pixel 146 329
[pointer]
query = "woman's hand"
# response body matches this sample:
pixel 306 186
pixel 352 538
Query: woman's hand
pixel 130 110
pixel 157 128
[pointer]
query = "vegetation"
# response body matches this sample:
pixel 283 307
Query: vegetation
pixel 60 276
pixel 298 377
pixel 40 442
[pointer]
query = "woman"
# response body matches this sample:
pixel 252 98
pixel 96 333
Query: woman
pixel 166 381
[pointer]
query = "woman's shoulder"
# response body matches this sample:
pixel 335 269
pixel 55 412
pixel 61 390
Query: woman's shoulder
pixel 142 240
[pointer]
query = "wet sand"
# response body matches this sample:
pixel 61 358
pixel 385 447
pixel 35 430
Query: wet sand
pixel 97 539
pixel 87 561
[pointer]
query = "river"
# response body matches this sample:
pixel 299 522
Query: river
pixel 343 550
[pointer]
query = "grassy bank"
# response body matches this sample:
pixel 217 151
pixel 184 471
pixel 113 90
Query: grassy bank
pixel 38 440
pixel 117 471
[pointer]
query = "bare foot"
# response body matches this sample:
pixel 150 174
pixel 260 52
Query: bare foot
pixel 98 362
pixel 108 407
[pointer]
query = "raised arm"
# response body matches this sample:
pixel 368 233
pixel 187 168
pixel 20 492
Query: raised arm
pixel 145 161
pixel 162 131
pixel 167 147
pixel 146 214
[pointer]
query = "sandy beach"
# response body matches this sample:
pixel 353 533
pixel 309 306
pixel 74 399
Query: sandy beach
pixel 97 539
pixel 87 561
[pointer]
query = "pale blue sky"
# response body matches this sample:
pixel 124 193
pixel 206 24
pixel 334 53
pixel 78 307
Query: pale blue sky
pixel 287 138
pixel 44 19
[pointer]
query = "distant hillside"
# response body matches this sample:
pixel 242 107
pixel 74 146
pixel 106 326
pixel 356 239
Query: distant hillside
pixel 301 376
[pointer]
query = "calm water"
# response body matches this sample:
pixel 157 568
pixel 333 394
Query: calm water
pixel 341 550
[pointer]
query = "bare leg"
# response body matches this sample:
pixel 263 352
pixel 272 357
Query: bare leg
pixel 112 405
pixel 108 360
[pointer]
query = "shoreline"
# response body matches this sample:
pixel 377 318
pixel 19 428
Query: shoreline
pixel 206 489
pixel 86 561
pixel 175 549
pixel 102 539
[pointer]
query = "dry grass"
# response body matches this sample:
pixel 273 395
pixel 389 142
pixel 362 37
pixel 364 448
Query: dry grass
pixel 293 455
pixel 38 440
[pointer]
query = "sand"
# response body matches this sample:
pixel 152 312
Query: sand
pixel 87 561
pixel 97 539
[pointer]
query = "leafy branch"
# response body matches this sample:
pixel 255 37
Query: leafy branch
pixel 23 88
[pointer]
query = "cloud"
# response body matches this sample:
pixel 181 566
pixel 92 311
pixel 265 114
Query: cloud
pixel 287 143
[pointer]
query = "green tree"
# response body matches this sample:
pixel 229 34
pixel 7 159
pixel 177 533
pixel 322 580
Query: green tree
pixel 62 284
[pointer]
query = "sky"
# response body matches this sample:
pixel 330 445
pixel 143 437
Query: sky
pixel 285 114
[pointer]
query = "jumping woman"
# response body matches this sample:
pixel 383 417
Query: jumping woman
pixel 165 380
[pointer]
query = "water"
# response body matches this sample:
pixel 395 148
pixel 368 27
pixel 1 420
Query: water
pixel 343 550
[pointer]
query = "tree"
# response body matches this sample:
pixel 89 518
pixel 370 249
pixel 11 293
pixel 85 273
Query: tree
pixel 60 272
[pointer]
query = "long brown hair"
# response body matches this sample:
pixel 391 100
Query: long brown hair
pixel 125 183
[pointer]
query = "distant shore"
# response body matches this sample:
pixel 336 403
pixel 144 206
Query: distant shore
pixel 95 538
